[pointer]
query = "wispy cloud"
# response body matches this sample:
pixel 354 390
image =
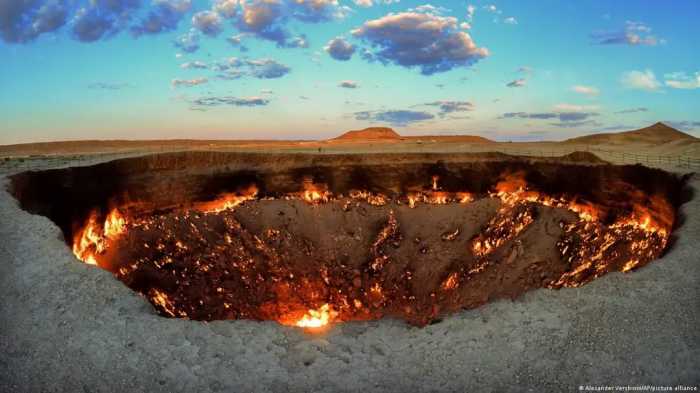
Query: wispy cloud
pixel 587 90
pixel 188 82
pixel 213 101
pixel 634 33
pixel 632 110
pixel 563 117
pixel 640 80
pixel 395 117
pixel 264 68
pixel 191 65
pixel 447 107
pixel 681 80
pixel 348 84
pixel 517 83
pixel 685 125
pixel 108 85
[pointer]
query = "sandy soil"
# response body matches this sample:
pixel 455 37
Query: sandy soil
pixel 67 326
pixel 676 155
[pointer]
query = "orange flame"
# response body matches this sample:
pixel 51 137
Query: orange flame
pixel 228 200
pixel 317 318
pixel 93 239
pixel 315 193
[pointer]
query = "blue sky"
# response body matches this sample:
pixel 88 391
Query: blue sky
pixel 307 69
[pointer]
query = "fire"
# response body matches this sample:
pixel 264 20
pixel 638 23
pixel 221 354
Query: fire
pixel 315 193
pixel 450 282
pixel 161 299
pixel 372 199
pixel 597 238
pixel 465 197
pixel 317 318
pixel 93 238
pixel 630 265
pixel 508 223
pixel 656 215
pixel 228 201
pixel 115 224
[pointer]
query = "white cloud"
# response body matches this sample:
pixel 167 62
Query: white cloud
pixel 470 12
pixel 680 80
pixel 492 8
pixel 207 22
pixel 587 90
pixel 510 21
pixel 194 65
pixel 226 8
pixel 641 80
pixel 575 108
pixel 363 3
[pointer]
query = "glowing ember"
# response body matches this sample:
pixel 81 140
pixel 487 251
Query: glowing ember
pixel 317 318
pixel 204 262
pixel 450 282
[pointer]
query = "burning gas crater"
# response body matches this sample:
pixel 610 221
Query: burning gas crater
pixel 312 257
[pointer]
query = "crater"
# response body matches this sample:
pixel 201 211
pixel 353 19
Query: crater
pixel 308 240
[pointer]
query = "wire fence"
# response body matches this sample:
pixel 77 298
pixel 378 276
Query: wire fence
pixel 617 157
pixel 652 159
pixel 613 156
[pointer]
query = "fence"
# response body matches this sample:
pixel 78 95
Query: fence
pixel 620 157
pixel 616 157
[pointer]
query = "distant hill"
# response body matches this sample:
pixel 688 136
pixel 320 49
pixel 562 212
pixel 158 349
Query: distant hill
pixel 388 134
pixel 370 133
pixel 658 133
pixel 450 138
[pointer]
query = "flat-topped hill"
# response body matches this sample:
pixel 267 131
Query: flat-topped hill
pixel 370 133
pixel 388 134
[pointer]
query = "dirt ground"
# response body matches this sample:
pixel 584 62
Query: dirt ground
pixel 16 157
pixel 67 326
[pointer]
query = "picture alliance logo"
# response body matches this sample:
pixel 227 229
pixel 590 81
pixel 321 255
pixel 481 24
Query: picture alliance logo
pixel 639 388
